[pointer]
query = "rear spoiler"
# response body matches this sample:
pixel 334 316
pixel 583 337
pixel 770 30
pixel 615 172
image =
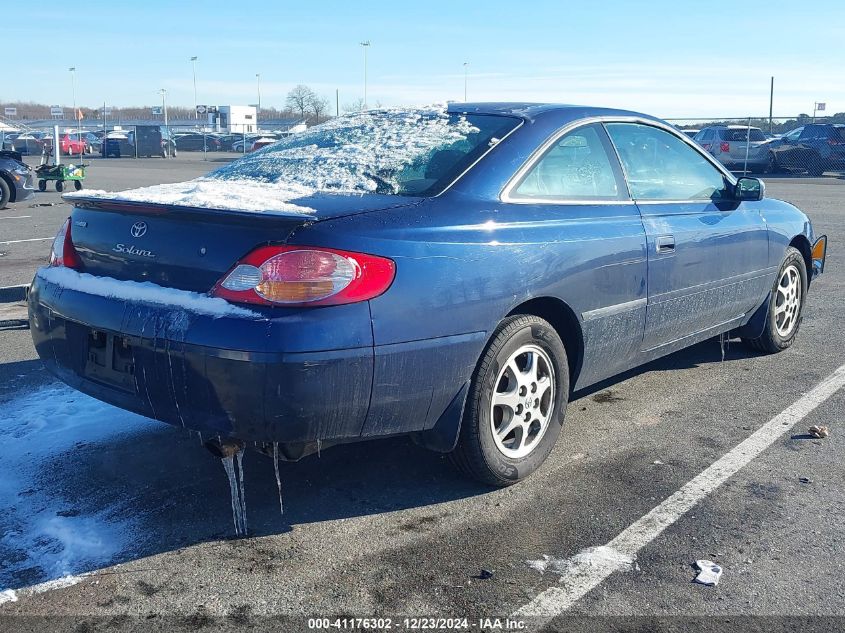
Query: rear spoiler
pixel 232 216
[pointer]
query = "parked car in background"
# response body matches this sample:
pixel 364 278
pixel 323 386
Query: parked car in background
pixel 16 180
pixel 238 145
pixel 73 144
pixel 691 132
pixel 737 147
pixel 152 140
pixel 29 143
pixel 195 142
pixel 814 148
pixel 117 144
pixel 262 141
pixel 451 275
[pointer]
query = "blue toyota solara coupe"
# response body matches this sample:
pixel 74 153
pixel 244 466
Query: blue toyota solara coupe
pixel 452 274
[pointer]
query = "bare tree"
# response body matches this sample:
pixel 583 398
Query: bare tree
pixel 299 99
pixel 319 106
pixel 353 107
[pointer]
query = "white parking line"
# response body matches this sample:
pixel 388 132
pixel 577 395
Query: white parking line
pixel 585 571
pixel 32 239
pixel 15 217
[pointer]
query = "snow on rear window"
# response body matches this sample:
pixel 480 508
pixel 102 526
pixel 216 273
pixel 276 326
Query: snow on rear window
pixel 396 151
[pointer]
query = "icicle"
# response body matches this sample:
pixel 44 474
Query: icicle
pixel 318 448
pixel 200 434
pixel 278 479
pixel 229 467
pixel 240 456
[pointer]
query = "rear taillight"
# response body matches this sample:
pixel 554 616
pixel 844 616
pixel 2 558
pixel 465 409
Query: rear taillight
pixel 63 253
pixel 724 146
pixel 305 276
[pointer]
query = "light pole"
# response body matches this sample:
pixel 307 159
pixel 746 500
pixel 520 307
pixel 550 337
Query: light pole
pixel 163 93
pixel 465 81
pixel 194 65
pixel 72 70
pixel 365 46
pixel 258 111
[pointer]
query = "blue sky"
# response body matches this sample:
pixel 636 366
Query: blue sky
pixel 666 58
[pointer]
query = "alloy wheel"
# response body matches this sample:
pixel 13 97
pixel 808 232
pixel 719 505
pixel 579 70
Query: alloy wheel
pixel 788 301
pixel 523 401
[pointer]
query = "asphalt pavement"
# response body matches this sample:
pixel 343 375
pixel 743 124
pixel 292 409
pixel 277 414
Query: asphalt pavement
pixel 387 529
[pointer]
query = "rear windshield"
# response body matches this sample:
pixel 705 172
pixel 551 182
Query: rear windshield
pixel 406 152
pixel 755 134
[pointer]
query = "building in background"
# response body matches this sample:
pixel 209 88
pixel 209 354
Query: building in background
pixel 234 119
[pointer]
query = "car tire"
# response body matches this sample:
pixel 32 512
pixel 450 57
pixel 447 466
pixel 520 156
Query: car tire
pixel 786 305
pixel 60 185
pixel 500 399
pixel 771 164
pixel 816 166
pixel 5 193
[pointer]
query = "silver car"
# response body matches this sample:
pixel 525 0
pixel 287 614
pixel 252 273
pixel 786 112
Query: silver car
pixel 737 147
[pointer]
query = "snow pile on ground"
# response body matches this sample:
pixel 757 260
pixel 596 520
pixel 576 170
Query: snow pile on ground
pixel 602 557
pixel 211 193
pixel 359 153
pixel 143 292
pixel 43 534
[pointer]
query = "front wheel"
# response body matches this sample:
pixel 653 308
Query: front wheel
pixel 60 185
pixel 77 184
pixel 42 185
pixel 516 404
pixel 786 305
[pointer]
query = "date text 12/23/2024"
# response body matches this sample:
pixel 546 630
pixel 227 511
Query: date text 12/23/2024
pixel 417 624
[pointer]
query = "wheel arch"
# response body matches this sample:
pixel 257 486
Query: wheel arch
pixel 562 318
pixel 801 243
pixel 13 193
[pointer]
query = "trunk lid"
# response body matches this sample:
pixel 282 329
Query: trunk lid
pixel 191 248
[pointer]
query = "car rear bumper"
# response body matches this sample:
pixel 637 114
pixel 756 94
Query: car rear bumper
pixel 252 379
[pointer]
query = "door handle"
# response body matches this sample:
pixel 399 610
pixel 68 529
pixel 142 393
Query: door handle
pixel 665 243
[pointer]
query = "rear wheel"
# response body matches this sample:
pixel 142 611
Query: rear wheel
pixel 786 305
pixel 515 407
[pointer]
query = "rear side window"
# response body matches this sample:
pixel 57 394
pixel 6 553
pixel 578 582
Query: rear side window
pixel 740 135
pixel 661 166
pixel 577 167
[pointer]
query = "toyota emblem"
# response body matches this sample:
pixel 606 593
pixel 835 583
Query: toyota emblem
pixel 139 229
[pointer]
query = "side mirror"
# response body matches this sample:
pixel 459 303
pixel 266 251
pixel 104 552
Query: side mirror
pixel 749 189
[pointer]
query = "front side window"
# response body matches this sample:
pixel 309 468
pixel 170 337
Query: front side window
pixel 576 167
pixel 661 166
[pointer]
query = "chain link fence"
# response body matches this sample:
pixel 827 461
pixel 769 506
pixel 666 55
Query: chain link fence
pixel 150 140
pixel 801 146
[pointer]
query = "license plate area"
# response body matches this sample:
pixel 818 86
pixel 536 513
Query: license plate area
pixel 110 359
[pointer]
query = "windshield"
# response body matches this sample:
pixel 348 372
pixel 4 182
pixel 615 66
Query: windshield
pixel 415 152
pixel 734 134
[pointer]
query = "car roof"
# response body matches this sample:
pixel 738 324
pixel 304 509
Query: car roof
pixel 531 111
